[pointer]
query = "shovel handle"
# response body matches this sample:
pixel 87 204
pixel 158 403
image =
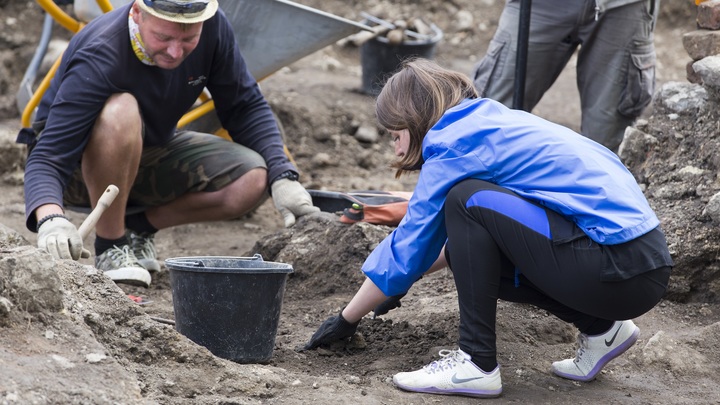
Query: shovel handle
pixel 105 200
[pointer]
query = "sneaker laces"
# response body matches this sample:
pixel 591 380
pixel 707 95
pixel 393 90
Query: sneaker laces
pixel 450 358
pixel 143 245
pixel 122 257
pixel 582 345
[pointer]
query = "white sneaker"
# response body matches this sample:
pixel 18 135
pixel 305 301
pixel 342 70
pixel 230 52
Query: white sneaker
pixel 595 352
pixel 121 265
pixel 453 374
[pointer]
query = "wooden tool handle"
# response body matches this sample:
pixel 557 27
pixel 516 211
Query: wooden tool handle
pixel 364 36
pixel 105 200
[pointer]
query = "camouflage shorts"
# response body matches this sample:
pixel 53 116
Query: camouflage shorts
pixel 190 162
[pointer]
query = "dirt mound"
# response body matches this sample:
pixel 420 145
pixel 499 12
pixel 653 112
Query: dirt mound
pixel 677 164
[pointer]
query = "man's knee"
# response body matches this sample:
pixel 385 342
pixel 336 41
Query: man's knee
pixel 252 186
pixel 257 178
pixel 120 109
pixel 253 183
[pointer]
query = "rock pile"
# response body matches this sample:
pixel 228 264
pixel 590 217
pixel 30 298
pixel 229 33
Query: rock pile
pixel 673 154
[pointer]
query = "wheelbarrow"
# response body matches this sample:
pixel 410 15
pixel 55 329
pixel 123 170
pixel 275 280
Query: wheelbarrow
pixel 271 34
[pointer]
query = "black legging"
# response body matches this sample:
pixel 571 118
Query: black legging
pixel 493 231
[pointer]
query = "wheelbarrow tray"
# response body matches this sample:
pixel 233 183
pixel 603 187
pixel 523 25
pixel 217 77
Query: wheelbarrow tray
pixel 272 34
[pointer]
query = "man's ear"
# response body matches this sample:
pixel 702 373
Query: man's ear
pixel 136 12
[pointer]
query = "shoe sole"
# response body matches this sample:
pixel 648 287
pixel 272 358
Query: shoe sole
pixel 151 265
pixel 455 391
pixel 130 275
pixel 604 359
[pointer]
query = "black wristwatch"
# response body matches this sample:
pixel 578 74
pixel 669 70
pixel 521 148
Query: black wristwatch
pixel 288 174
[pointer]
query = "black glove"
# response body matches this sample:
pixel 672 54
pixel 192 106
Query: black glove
pixel 333 329
pixel 385 306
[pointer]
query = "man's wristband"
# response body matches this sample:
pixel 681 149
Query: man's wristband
pixel 47 218
pixel 288 174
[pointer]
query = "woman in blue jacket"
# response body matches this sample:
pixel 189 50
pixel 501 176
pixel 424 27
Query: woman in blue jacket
pixel 520 209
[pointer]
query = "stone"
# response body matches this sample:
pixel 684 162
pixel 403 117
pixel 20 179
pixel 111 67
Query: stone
pixel 682 98
pixel 30 279
pixel 712 209
pixel 691 74
pixel 367 134
pixel 701 43
pixel 708 14
pixel 709 71
pixel 635 145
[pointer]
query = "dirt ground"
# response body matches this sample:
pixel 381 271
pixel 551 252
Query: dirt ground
pixel 69 335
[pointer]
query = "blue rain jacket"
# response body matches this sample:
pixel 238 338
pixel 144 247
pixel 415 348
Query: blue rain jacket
pixel 539 160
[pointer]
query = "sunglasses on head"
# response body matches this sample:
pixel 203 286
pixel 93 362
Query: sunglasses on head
pixel 175 7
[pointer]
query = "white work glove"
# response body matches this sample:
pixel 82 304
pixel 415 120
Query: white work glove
pixel 292 200
pixel 61 239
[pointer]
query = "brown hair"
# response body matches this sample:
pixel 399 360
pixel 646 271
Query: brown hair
pixel 415 98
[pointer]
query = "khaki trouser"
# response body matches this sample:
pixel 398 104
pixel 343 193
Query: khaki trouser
pixel 615 66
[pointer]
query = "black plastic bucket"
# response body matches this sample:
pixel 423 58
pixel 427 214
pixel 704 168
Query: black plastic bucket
pixel 380 59
pixel 230 305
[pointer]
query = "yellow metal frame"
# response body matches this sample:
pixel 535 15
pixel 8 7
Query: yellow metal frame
pixel 73 26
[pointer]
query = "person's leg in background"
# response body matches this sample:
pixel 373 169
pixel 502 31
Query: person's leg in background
pixel 616 70
pixel 551 43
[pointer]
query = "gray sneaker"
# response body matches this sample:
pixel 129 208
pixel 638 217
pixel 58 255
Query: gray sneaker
pixel 143 246
pixel 121 265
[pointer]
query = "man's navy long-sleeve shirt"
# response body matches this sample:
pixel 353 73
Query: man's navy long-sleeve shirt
pixel 100 62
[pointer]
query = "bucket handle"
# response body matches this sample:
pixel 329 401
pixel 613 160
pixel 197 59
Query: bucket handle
pixel 255 257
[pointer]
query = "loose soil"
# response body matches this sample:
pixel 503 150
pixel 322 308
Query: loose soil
pixel 69 335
